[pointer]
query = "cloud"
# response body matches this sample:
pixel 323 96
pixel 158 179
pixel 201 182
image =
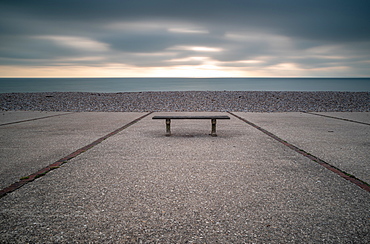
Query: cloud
pixel 188 30
pixel 196 49
pixel 77 43
pixel 241 37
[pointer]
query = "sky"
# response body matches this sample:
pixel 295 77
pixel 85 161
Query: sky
pixel 191 38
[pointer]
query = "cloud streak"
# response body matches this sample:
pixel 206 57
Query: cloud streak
pixel 185 38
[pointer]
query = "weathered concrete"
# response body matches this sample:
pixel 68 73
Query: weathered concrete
pixel 363 117
pixel 343 144
pixel 140 186
pixel 28 146
pixel 19 116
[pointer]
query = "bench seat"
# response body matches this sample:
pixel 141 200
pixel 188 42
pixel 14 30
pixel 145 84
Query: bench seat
pixel 213 119
pixel 192 117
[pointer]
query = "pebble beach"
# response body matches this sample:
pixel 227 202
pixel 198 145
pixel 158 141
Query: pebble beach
pixel 184 101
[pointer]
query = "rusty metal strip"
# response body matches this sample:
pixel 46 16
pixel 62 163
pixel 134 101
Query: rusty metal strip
pixel 27 120
pixel 328 166
pixel 65 159
pixel 332 117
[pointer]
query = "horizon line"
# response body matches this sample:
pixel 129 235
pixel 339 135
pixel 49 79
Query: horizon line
pixel 165 77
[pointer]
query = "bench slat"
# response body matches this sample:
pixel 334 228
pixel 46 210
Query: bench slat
pixel 192 117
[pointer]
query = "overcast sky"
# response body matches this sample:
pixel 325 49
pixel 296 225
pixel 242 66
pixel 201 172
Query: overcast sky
pixel 192 38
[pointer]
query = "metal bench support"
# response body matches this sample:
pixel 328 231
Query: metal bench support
pixel 213 132
pixel 168 127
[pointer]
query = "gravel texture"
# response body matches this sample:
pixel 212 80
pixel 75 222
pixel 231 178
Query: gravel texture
pixel 237 101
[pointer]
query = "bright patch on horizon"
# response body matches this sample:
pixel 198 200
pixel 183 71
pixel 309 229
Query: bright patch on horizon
pixel 189 59
pixel 250 61
pixel 121 70
pixel 196 48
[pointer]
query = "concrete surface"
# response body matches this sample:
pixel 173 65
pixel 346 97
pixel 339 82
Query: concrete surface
pixel 19 116
pixel 363 117
pixel 343 144
pixel 29 146
pixel 140 186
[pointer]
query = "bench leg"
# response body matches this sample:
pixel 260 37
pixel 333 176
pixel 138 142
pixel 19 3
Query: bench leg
pixel 213 132
pixel 168 127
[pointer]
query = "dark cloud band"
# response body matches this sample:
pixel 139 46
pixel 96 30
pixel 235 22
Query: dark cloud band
pixel 246 33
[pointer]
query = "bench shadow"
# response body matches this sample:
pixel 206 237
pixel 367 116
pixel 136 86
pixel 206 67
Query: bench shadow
pixel 194 134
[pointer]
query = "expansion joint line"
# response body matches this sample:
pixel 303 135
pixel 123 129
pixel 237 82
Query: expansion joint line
pixel 332 168
pixel 332 117
pixel 57 164
pixel 27 120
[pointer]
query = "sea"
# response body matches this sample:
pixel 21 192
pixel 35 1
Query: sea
pixel 115 85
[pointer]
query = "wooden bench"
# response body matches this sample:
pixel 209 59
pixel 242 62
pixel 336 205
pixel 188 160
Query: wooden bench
pixel 212 118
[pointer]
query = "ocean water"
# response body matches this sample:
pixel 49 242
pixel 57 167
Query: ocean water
pixel 113 85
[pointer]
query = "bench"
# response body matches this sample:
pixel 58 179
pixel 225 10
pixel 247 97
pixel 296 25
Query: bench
pixel 212 118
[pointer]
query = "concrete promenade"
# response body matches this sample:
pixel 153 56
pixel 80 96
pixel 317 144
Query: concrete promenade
pixel 138 186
